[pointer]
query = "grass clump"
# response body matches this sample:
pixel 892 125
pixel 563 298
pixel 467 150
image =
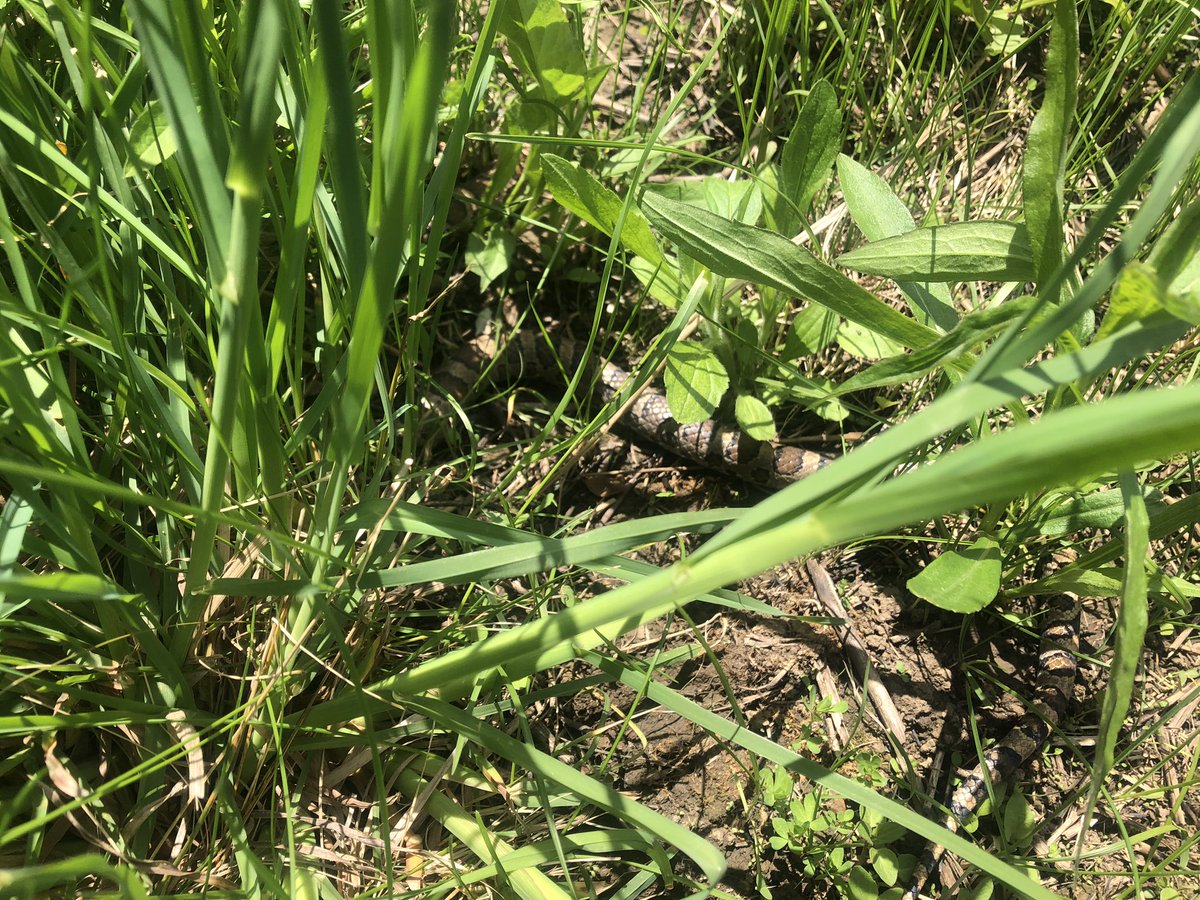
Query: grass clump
pixel 258 635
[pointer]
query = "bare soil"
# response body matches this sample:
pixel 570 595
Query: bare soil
pixel 953 681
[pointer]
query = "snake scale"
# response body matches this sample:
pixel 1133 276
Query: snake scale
pixel 528 354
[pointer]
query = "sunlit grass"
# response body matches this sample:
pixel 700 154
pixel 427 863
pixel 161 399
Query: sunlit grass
pixel 250 585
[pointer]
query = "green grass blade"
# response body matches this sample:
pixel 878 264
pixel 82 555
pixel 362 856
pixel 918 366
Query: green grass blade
pixel 541 554
pixel 879 457
pixel 50 878
pixel 702 853
pixel 970 332
pixel 166 32
pixel 519 872
pixel 238 312
pixel 1132 620
pixel 345 168
pixel 1069 445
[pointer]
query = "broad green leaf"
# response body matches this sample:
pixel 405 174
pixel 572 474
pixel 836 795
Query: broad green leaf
pixel 740 200
pixel 808 154
pixel 816 394
pixel 880 214
pixel 1093 510
pixel 872 203
pixel 884 831
pixel 864 344
pixel 861 885
pixel 626 162
pixel 521 118
pixel 812 330
pixel 832 410
pixel 1005 31
pixel 754 417
pixel 963 581
pixel 1185 306
pixel 1176 255
pixel 546 46
pixel 695 381
pixel 983 890
pixel 661 281
pixel 825 402
pixel 1046 147
pixel 965 251
pixel 752 254
pixel 577 191
pixel 1018 821
pixel 151 137
pixel 488 255
pixel 886 866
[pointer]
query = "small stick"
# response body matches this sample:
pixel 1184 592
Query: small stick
pixel 856 651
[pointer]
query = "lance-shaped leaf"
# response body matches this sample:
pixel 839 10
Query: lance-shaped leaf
pixel 1046 150
pixel 879 214
pixel 965 251
pixel 734 250
pixel 809 153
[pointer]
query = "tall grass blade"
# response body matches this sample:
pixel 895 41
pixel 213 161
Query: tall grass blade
pixel 1132 620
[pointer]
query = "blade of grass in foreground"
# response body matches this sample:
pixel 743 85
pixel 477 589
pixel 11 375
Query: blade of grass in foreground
pixel 398 194
pixel 1075 443
pixel 1132 620
pixel 883 453
pixel 1071 444
pixel 466 726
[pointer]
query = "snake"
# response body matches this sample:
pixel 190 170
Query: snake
pixel 1053 687
pixel 530 354
pixel 526 353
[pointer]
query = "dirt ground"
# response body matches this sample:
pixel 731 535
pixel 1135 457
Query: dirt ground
pixel 949 679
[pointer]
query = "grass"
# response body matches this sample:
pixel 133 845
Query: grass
pixel 270 627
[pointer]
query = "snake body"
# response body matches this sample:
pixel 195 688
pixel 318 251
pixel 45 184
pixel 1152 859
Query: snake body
pixel 1053 687
pixel 530 354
